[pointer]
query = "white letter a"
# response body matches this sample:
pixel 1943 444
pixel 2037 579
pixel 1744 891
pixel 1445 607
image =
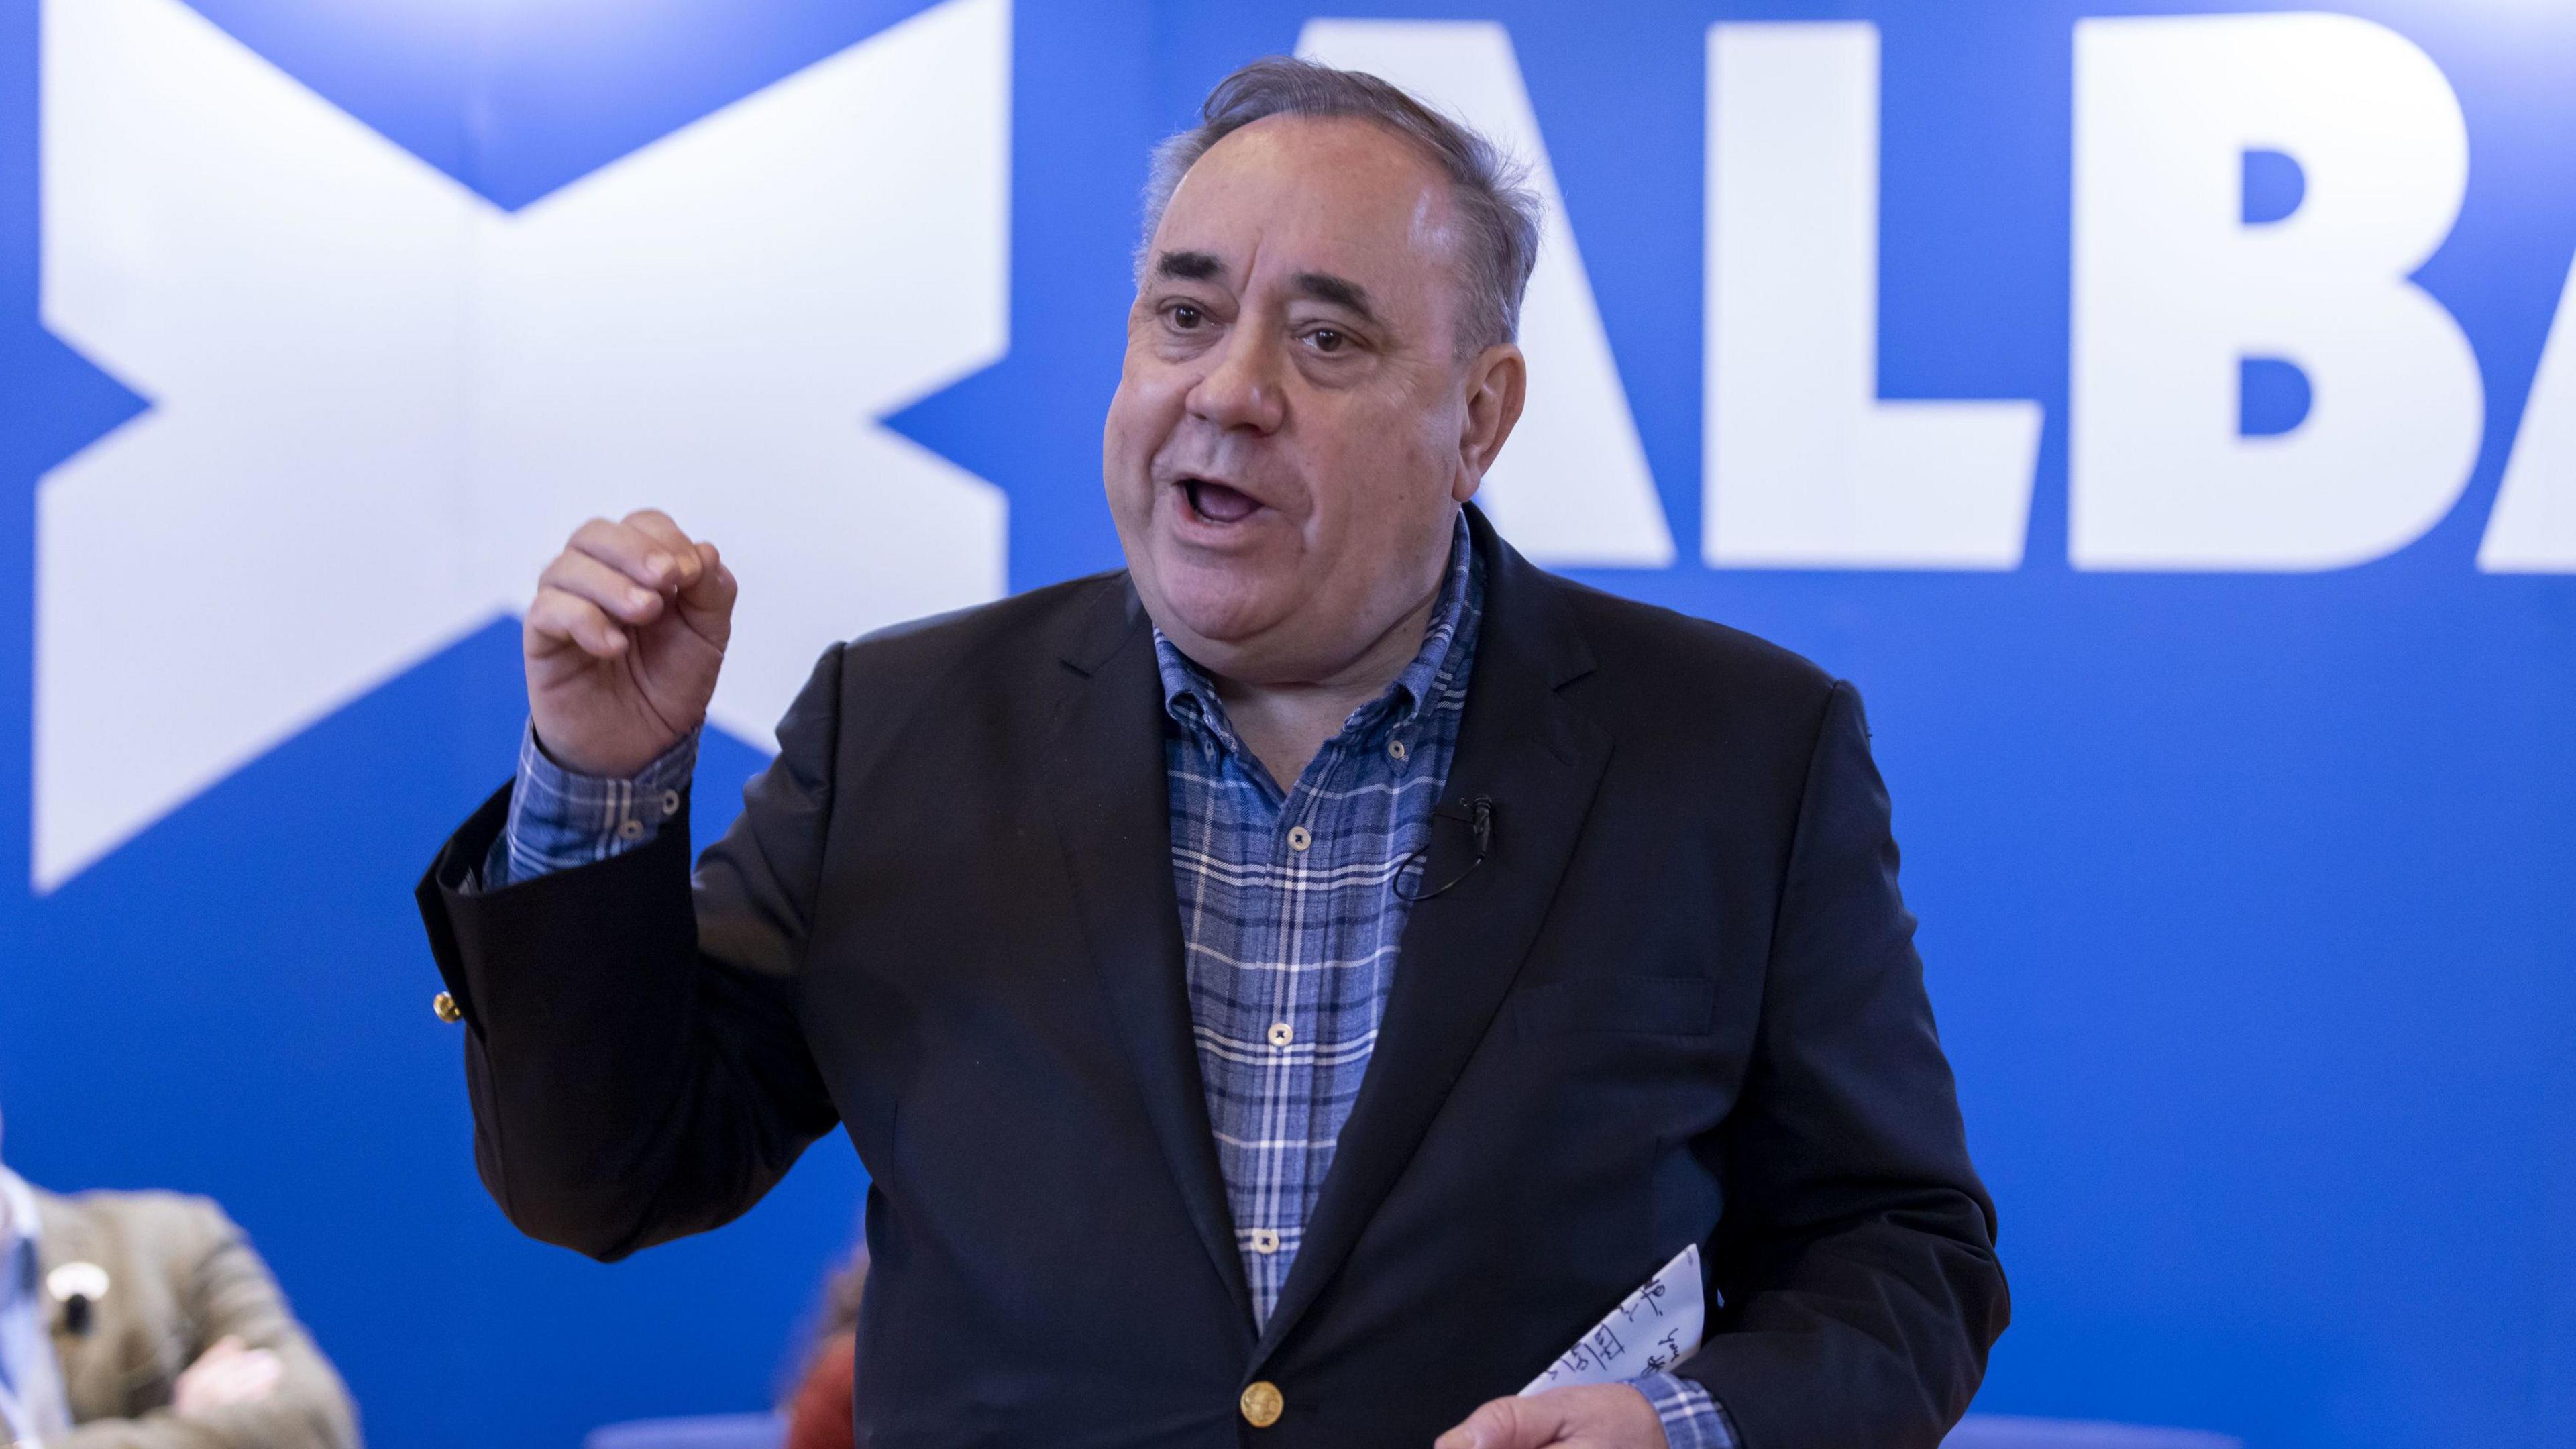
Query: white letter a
pixel 1572 487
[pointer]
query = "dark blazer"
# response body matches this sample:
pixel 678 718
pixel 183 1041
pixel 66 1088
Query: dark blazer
pixel 1679 1002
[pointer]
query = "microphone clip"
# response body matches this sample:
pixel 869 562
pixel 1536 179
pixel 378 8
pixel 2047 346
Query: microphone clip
pixel 1479 818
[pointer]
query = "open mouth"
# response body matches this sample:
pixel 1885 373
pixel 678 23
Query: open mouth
pixel 1217 503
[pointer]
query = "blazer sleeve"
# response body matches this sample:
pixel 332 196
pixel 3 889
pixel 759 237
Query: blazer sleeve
pixel 223 1290
pixel 632 1047
pixel 1856 1251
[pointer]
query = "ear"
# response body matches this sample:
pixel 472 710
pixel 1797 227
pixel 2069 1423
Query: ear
pixel 1497 384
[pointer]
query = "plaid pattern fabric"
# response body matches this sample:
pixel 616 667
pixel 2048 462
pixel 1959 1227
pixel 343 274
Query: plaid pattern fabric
pixel 1290 916
pixel 559 820
pixel 1692 1418
pixel 1290 913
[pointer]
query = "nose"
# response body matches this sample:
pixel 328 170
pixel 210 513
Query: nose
pixel 1241 388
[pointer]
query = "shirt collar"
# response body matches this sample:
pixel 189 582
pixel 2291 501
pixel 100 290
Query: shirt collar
pixel 35 1408
pixel 18 1222
pixel 1190 694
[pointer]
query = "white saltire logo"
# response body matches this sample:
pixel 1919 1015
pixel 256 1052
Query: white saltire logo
pixel 379 402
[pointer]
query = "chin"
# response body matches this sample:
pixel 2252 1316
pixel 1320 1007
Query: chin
pixel 1216 603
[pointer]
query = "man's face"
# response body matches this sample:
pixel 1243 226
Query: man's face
pixel 1294 428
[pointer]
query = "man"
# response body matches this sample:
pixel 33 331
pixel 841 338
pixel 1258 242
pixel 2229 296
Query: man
pixel 145 1321
pixel 1286 992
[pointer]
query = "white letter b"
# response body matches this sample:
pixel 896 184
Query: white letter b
pixel 2174 290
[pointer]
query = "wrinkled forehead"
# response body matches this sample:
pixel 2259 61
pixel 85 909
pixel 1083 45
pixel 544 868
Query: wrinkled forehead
pixel 1292 195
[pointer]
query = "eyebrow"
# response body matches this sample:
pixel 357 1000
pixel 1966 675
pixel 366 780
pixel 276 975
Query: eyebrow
pixel 1323 286
pixel 1347 295
pixel 1189 266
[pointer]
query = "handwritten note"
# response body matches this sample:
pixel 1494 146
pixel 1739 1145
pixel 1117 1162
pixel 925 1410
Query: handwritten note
pixel 1652 1329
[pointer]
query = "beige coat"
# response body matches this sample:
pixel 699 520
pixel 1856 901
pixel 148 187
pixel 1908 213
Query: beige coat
pixel 180 1276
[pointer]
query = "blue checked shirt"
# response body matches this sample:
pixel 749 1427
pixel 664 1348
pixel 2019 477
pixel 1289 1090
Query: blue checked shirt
pixel 31 1383
pixel 1292 905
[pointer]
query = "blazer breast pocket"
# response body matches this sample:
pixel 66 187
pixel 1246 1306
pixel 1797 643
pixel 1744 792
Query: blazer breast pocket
pixel 1627 1005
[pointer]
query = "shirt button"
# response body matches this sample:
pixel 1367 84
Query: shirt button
pixel 1265 1241
pixel 631 830
pixel 1299 837
pixel 670 803
pixel 1281 1033
pixel 1395 749
pixel 1262 1403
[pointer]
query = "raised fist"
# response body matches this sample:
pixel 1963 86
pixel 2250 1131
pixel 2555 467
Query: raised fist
pixel 624 641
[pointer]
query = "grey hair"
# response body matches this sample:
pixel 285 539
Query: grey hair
pixel 1491 189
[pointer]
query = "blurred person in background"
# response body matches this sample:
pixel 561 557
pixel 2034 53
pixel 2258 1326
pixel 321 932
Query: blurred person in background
pixel 143 1320
pixel 820 1408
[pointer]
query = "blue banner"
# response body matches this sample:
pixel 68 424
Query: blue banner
pixel 2167 419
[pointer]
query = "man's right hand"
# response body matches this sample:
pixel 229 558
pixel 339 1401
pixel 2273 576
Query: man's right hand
pixel 624 641
pixel 232 1372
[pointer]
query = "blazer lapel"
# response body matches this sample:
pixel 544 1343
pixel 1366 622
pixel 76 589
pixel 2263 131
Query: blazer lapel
pixel 1107 782
pixel 1539 762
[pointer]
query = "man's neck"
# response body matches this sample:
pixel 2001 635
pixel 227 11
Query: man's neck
pixel 1285 725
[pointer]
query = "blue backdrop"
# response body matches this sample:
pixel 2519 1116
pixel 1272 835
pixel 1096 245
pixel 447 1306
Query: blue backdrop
pixel 2245 892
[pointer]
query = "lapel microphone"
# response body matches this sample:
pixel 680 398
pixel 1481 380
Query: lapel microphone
pixel 1479 817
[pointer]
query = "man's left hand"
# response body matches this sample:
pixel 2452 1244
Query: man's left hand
pixel 1593 1416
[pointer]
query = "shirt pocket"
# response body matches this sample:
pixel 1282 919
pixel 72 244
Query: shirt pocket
pixel 1619 1005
